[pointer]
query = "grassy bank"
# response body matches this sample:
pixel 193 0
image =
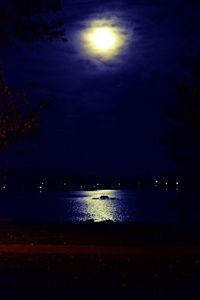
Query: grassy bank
pixel 104 233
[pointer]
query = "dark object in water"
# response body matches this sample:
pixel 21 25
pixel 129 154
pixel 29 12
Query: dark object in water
pixel 104 197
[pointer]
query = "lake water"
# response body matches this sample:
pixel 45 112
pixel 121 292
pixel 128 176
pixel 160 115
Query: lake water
pixel 138 205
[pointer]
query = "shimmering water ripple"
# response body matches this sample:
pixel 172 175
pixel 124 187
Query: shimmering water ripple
pixel 122 205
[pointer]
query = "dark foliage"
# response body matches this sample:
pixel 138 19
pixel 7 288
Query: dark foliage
pixel 30 20
pixel 183 132
pixel 25 21
pixel 18 119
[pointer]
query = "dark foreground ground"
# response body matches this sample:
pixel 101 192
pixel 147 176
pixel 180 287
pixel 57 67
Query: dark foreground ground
pixel 99 261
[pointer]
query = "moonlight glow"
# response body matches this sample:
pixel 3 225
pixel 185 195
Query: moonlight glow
pixel 103 39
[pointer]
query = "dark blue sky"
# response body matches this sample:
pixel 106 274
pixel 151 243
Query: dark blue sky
pixel 108 116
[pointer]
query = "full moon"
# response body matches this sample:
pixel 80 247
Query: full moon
pixel 102 39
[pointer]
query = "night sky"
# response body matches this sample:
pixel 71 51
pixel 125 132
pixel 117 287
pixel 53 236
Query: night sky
pixel 107 115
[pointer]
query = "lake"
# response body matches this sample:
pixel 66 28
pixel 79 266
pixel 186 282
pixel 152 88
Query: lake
pixel 122 205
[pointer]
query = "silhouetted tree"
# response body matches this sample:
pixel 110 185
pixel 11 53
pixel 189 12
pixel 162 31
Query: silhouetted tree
pixel 183 132
pixel 25 21
pixel 18 119
pixel 30 20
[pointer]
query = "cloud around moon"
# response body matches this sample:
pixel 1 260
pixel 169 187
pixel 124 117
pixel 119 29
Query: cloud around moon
pixel 104 38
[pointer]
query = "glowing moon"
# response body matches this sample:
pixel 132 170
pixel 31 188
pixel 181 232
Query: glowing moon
pixel 102 39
